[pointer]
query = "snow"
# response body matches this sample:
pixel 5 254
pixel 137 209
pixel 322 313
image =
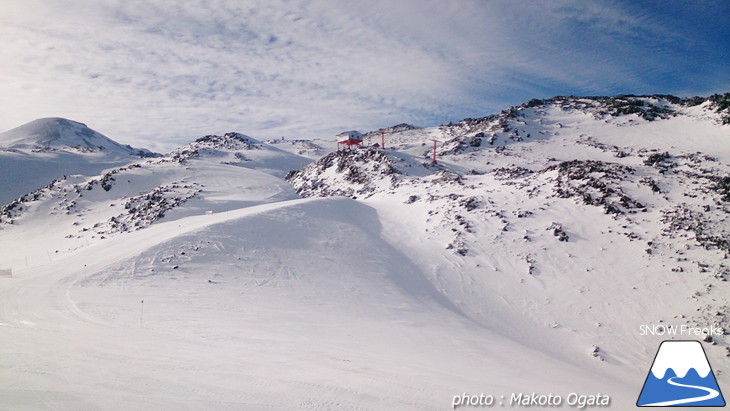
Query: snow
pixel 203 280
pixel 34 154
pixel 274 327
pixel 54 133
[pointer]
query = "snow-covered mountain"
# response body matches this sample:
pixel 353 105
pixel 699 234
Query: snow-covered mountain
pixel 557 205
pixel 212 174
pixel 286 275
pixel 60 134
pixel 45 149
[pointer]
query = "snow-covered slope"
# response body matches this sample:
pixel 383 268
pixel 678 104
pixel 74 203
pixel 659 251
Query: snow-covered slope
pixel 254 308
pixel 565 224
pixel 525 261
pixel 210 175
pixel 34 154
pixel 51 134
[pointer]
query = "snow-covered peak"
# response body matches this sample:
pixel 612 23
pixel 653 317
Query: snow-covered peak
pixel 54 133
pixel 239 150
pixel 34 154
pixel 389 130
pixel 212 144
pixel 229 141
pixel 346 173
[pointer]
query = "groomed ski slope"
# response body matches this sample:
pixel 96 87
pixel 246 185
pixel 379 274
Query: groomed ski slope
pixel 266 310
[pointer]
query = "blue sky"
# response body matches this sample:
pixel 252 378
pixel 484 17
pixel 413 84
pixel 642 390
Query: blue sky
pixel 160 73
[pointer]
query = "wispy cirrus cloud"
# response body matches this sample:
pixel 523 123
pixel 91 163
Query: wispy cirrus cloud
pixel 158 73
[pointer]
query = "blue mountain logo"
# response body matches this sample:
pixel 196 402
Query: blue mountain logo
pixel 680 376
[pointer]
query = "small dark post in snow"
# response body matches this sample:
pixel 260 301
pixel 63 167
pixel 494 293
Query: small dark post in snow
pixel 141 312
pixel 433 160
pixel 382 139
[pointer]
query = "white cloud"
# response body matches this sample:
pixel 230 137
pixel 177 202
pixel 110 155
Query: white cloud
pixel 158 73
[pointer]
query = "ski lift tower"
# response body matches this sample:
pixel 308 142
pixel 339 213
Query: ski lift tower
pixel 433 159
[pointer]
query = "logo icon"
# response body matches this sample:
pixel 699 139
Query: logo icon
pixel 680 376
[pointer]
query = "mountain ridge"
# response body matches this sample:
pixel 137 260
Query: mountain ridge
pixel 538 243
pixel 57 133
